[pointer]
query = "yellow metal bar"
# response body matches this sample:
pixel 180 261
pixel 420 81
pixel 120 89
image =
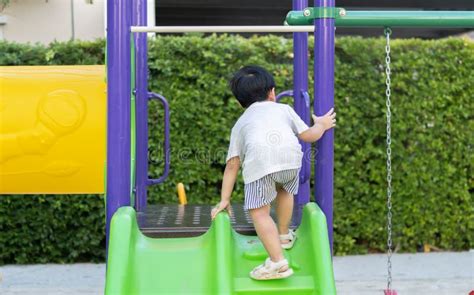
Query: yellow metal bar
pixel 181 194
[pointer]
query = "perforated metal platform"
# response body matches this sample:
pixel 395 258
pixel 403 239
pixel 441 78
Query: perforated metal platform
pixel 188 220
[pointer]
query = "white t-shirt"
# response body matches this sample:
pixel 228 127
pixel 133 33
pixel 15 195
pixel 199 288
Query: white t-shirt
pixel 265 139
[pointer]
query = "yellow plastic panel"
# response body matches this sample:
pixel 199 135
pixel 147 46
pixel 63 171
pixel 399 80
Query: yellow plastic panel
pixel 52 129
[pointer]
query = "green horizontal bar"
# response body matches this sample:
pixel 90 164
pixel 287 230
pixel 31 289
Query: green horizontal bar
pixel 320 12
pixel 344 18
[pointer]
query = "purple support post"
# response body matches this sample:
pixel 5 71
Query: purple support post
pixel 324 100
pixel 139 18
pixel 302 108
pixel 119 17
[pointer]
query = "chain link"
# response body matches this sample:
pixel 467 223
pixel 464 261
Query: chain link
pixel 388 93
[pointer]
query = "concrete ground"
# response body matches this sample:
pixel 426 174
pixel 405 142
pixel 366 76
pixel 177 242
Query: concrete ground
pixel 432 273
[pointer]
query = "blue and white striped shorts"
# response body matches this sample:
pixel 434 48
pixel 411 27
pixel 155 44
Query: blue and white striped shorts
pixel 263 191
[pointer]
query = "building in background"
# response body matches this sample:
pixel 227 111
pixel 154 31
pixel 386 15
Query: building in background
pixel 47 20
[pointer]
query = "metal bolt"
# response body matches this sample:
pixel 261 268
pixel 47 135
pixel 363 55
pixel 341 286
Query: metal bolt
pixel 342 12
pixel 306 12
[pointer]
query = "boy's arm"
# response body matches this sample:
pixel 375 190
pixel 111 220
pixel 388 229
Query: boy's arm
pixel 313 133
pixel 321 124
pixel 230 175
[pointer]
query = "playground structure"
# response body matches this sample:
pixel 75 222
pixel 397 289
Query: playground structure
pixel 218 261
pixel 229 275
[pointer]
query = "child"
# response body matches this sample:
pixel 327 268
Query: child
pixel 265 141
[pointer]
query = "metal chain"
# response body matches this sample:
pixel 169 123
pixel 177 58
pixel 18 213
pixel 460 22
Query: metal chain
pixel 387 33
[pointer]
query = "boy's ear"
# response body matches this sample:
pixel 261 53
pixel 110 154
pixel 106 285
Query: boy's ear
pixel 272 95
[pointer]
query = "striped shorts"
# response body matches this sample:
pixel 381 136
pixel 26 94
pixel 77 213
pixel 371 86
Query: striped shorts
pixel 263 191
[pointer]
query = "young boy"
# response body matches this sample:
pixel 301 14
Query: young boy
pixel 265 141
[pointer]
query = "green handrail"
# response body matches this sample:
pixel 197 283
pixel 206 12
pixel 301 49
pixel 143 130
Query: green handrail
pixel 347 18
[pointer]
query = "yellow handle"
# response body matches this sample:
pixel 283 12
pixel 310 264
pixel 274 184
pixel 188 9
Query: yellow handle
pixel 181 194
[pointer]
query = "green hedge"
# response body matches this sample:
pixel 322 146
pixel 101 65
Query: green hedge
pixel 432 146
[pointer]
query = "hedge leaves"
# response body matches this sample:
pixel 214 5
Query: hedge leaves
pixel 432 143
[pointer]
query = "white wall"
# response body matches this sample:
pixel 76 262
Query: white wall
pixel 48 20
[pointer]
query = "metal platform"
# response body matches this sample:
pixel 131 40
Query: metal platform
pixel 188 220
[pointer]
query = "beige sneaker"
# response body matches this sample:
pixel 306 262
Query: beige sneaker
pixel 290 237
pixel 271 270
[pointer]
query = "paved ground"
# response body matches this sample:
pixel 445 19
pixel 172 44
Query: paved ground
pixel 433 273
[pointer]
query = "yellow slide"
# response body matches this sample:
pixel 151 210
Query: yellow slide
pixel 52 129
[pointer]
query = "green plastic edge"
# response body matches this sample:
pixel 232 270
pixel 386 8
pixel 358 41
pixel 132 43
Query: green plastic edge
pixel 126 239
pixel 321 249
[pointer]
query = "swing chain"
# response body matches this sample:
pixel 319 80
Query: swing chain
pixel 387 33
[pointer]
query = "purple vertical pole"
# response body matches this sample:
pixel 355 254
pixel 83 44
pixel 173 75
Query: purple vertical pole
pixel 301 105
pixel 324 100
pixel 139 18
pixel 118 107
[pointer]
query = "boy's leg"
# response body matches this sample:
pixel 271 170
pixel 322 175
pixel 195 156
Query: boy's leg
pixel 284 210
pixel 267 232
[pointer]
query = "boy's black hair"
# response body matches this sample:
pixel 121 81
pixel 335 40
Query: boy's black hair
pixel 251 84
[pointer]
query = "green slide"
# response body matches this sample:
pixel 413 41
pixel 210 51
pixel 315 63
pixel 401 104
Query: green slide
pixel 217 262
